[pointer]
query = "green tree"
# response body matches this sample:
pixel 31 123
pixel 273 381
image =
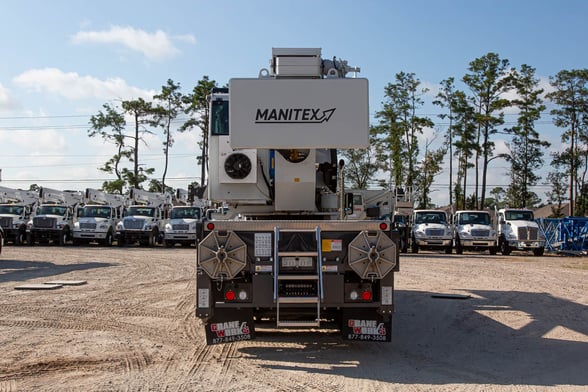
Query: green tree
pixel 526 157
pixel 488 80
pixel 466 146
pixel 571 96
pixel 428 168
pixel 143 115
pixel 170 104
pixel 446 99
pixel 361 164
pixel 401 127
pixel 110 126
pixel 198 112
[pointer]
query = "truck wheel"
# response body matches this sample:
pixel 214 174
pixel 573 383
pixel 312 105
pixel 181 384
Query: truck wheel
pixel 448 250
pixel 63 238
pixel 538 251
pixel 108 240
pixel 152 238
pixel 458 248
pixel 414 247
pixel 20 238
pixel 504 248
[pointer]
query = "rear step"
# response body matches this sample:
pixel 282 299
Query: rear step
pixel 314 320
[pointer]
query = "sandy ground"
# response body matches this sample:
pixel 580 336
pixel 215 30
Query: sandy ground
pixel 131 327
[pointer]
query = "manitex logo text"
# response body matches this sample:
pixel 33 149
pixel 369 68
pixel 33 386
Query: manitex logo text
pixel 293 116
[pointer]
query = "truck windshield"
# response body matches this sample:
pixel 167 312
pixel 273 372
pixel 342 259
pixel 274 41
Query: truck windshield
pixel 143 211
pixel 219 115
pixel 52 210
pixel 96 212
pixel 431 217
pixel 185 213
pixel 13 210
pixel 519 215
pixel 474 218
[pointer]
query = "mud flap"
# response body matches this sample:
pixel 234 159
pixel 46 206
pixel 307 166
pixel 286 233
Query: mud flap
pixel 230 325
pixel 366 325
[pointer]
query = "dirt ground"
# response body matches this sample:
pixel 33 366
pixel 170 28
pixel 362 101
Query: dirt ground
pixel 524 327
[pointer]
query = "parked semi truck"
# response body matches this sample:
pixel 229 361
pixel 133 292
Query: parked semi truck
pixel 16 208
pixel 144 219
pixel 54 218
pixel 282 252
pixel 473 230
pixel 98 218
pixel 517 230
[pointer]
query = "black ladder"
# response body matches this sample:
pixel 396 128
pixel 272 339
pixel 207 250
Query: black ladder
pixel 316 278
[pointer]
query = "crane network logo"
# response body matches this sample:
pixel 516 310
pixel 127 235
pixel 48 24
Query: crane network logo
pixel 293 116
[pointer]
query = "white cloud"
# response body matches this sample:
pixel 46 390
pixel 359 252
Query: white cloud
pixel 74 86
pixel 155 46
pixel 7 101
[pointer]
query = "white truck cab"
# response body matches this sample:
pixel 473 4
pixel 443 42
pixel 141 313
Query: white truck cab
pixel 473 230
pixel 517 230
pixel 431 230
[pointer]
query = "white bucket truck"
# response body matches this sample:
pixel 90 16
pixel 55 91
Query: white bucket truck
pixel 98 218
pixel 16 208
pixel 517 230
pixel 185 221
pixel 474 230
pixel 431 230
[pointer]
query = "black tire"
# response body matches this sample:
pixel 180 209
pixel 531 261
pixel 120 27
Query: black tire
pixel 538 251
pixel 63 238
pixel 458 247
pixel 504 248
pixel 414 247
pixel 109 239
pixel 448 250
pixel 20 238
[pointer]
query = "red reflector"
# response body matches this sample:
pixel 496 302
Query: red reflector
pixel 383 226
pixel 366 296
pixel 210 226
pixel 230 295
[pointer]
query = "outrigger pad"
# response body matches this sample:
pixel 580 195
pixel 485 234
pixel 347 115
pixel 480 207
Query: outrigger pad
pixel 366 325
pixel 230 325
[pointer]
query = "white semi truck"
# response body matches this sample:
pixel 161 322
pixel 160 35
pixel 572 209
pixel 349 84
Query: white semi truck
pixel 473 230
pixel 98 218
pixel 431 230
pixel 280 254
pixel 16 208
pixel 54 218
pixel 144 219
pixel 517 230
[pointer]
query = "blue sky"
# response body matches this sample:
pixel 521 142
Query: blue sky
pixel 62 60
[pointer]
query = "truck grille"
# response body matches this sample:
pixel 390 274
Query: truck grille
pixel 480 233
pixel 435 232
pixel 87 226
pixel 6 222
pixel 181 226
pixel 527 233
pixel 134 224
pixel 44 222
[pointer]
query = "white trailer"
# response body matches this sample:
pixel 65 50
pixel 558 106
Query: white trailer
pixel 279 253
